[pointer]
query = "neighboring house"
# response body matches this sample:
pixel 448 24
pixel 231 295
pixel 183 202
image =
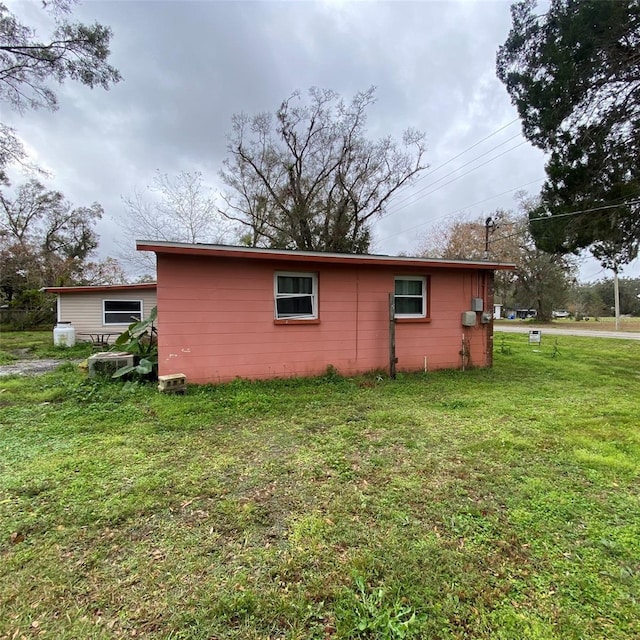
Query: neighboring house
pixel 103 309
pixel 526 314
pixel 225 312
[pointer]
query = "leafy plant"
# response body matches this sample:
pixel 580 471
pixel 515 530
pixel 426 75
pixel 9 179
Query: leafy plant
pixel 378 617
pixel 503 346
pixel 141 340
pixel 332 374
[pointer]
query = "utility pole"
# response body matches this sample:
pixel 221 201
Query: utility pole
pixel 616 295
pixel 489 226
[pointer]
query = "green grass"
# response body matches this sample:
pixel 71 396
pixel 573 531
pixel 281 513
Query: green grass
pixel 496 504
pixel 24 345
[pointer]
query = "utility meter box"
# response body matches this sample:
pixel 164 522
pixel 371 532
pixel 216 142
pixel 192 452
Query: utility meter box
pixel 468 318
pixel 477 304
pixel 486 317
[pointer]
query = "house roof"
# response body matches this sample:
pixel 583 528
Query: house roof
pixel 101 287
pixel 257 253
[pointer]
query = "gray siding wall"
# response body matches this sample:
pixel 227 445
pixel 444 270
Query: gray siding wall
pixel 84 310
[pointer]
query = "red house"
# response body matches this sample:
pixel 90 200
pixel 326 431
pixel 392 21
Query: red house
pixel 225 312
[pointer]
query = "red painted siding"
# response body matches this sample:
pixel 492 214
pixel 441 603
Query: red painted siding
pixel 216 320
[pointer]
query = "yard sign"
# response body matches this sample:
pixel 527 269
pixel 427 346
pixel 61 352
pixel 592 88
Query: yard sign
pixel 535 336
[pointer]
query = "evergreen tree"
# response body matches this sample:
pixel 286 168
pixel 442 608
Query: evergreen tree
pixel 574 76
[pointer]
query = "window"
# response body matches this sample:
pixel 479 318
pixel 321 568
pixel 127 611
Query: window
pixel 296 296
pixel 121 311
pixel 411 297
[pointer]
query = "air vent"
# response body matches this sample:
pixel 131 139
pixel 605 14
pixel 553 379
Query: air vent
pixel 107 363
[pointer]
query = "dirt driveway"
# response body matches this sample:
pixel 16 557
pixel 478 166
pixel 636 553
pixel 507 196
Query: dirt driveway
pixel 29 367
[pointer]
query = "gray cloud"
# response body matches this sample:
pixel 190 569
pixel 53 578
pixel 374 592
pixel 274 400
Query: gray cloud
pixel 188 66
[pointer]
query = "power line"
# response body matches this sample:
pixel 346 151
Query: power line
pixel 408 197
pixel 473 146
pixel 575 213
pixel 450 181
pixel 571 213
pixel 450 160
pixel 451 213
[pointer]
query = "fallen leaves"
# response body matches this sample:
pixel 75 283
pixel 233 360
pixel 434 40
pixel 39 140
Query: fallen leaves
pixel 16 537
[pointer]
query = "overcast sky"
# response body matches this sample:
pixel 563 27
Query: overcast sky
pixel 189 66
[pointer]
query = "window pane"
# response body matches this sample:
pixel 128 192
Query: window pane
pixel 409 306
pixel 121 318
pixel 298 306
pixel 122 305
pixel 409 287
pixel 295 284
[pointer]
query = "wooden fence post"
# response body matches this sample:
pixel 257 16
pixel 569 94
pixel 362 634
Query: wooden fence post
pixel 392 336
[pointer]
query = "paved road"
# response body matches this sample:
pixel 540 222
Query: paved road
pixel 552 331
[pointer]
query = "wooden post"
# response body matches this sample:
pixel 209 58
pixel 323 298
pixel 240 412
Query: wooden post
pixel 490 276
pixel 392 336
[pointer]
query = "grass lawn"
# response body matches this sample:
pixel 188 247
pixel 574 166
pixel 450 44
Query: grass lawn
pixel 25 345
pixel 497 504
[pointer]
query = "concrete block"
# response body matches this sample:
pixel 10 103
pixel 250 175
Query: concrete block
pixel 172 383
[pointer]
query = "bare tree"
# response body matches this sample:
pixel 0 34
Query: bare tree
pixel 541 280
pixel 457 239
pixel 107 271
pixel 172 209
pixel 463 239
pixel 309 178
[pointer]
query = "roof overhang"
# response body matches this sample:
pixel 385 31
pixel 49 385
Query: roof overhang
pixel 280 255
pixel 102 288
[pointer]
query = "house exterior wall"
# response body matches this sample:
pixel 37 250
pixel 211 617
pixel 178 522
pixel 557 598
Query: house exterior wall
pixel 216 320
pixel 84 309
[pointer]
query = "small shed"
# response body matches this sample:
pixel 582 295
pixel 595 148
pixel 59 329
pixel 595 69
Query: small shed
pixel 103 309
pixel 226 312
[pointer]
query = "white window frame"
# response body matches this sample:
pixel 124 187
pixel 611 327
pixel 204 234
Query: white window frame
pixel 124 322
pixel 423 296
pixel 278 296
